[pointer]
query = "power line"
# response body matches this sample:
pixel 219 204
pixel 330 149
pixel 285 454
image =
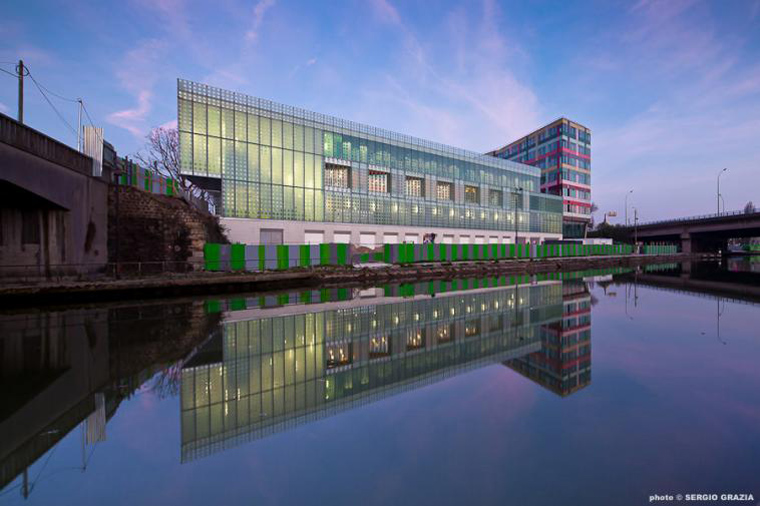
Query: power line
pixel 52 93
pixel 9 73
pixel 100 136
pixel 60 116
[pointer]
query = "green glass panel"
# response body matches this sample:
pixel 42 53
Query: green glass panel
pixel 199 118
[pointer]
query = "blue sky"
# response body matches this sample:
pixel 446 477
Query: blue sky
pixel 670 89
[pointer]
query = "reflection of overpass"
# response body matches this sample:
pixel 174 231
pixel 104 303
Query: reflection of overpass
pixel 705 287
pixel 701 233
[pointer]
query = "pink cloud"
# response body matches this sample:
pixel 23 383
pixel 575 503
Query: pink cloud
pixel 258 18
pixel 133 120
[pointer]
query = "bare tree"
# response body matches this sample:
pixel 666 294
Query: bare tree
pixel 749 207
pixel 161 152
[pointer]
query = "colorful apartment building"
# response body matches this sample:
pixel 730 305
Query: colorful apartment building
pixel 562 150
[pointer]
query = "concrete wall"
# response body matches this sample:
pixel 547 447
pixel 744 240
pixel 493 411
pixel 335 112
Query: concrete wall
pixel 69 204
pixel 248 231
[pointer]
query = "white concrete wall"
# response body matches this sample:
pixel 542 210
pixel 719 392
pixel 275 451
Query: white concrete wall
pixel 248 231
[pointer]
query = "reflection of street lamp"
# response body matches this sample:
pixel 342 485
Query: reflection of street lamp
pixel 719 312
pixel 718 197
pixel 626 207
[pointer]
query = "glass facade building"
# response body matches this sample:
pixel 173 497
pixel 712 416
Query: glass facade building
pixel 279 163
pixel 562 151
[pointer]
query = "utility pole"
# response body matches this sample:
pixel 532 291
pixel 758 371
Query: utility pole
pixel 20 70
pixel 626 207
pixel 79 126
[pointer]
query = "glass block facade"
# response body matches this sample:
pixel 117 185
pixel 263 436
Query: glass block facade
pixel 562 151
pixel 280 162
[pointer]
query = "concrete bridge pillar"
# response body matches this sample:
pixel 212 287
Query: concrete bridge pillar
pixel 686 246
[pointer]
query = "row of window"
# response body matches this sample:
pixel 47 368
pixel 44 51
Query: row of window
pixel 575 193
pixel 573 208
pixel 360 150
pixel 339 177
pixel 576 162
pixel 544 135
pixel 244 199
pixel 576 177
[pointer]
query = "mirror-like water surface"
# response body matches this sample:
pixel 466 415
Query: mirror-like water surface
pixel 447 392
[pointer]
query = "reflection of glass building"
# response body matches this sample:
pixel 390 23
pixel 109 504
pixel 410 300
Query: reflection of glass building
pixel 269 370
pixel 562 150
pixel 288 175
pixel 564 363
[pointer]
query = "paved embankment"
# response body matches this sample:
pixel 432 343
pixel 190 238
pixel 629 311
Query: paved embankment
pixel 202 283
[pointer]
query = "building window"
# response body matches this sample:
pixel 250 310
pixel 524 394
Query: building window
pixel 337 176
pixel 379 346
pixel 471 195
pixel 379 181
pixel 339 354
pixel 30 227
pixel 495 198
pixel 444 191
pixel 415 187
pixel 415 340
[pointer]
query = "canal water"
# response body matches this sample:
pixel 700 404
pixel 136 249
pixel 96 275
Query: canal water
pixel 603 387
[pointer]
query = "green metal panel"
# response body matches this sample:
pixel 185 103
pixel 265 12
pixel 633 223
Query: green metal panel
pixel 324 254
pixel 282 257
pixel 237 257
pixel 211 256
pixel 430 249
pixel 342 254
pixel 305 297
pixel 262 257
pixel 304 253
pixel 213 306
pixel 387 253
pixel 237 304
pixel 342 293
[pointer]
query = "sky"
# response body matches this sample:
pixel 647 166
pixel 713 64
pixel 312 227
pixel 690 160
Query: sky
pixel 670 89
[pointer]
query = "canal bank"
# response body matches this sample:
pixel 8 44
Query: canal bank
pixel 202 283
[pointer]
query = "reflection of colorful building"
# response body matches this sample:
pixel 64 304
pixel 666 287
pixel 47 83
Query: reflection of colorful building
pixel 272 369
pixel 562 150
pixel 564 363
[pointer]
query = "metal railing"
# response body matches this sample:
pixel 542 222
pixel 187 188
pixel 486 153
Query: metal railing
pixel 699 217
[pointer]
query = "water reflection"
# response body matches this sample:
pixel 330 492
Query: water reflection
pixel 246 367
pixel 266 371
pixel 69 370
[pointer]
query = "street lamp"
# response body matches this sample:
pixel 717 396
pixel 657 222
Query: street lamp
pixel 517 230
pixel 635 229
pixel 718 195
pixel 626 207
